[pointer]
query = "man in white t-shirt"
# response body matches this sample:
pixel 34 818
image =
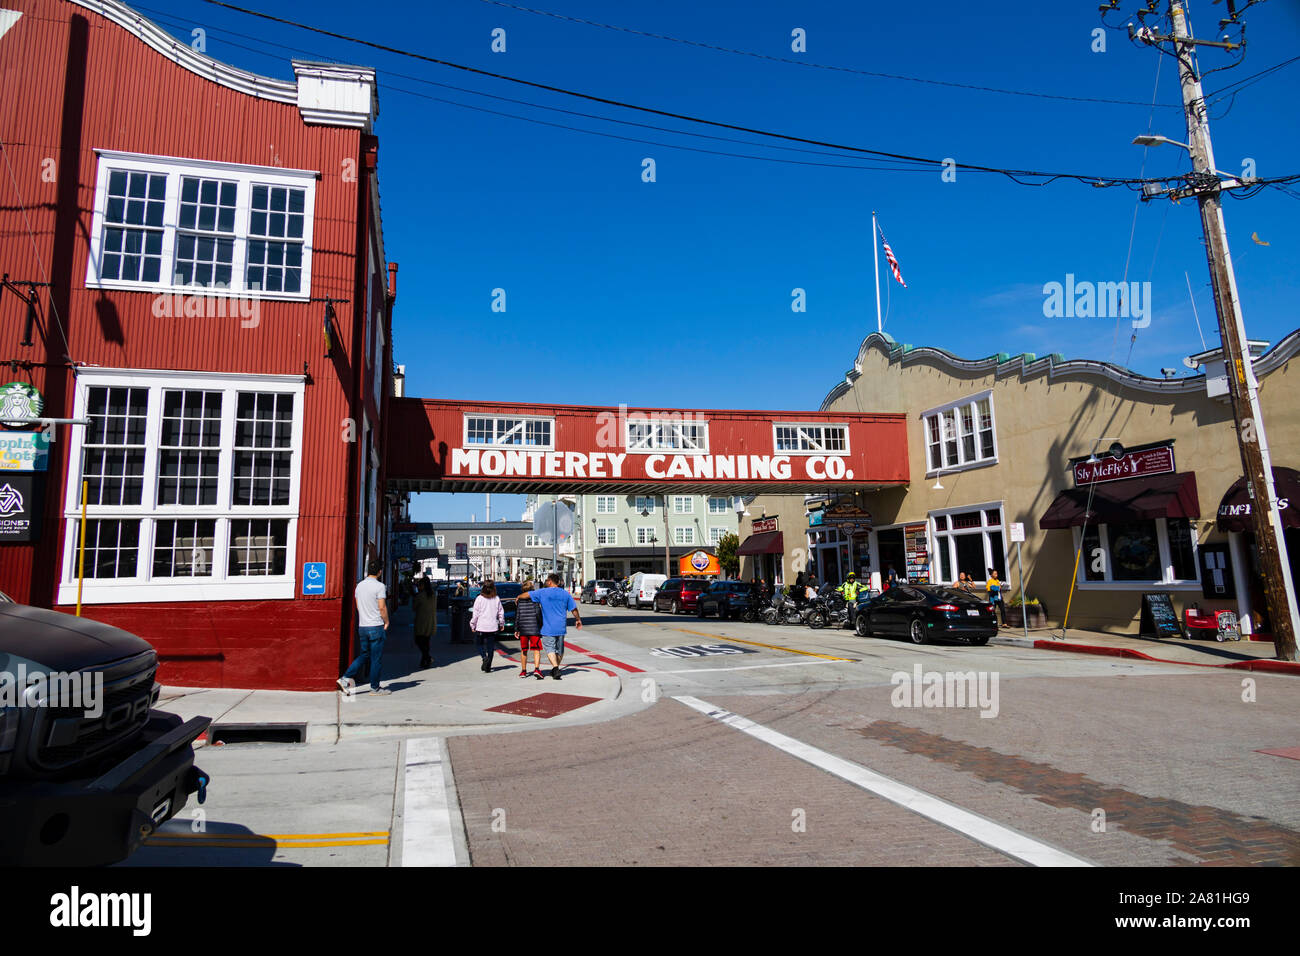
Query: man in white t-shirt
pixel 372 628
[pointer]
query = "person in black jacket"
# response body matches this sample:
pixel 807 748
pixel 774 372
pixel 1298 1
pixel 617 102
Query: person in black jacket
pixel 528 627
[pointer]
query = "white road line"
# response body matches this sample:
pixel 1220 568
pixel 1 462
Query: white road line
pixel 426 817
pixel 745 667
pixel 978 828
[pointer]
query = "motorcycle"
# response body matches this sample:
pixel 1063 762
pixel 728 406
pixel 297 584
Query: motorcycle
pixel 617 596
pixel 829 609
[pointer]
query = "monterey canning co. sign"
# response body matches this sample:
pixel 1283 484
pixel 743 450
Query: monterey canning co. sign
pixel 1133 464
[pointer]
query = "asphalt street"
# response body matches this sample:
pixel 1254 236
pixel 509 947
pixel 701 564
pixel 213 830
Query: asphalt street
pixel 744 744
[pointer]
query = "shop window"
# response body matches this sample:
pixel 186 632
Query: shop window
pixel 1139 553
pixel 960 435
pixel 969 541
pixel 161 223
pixel 192 483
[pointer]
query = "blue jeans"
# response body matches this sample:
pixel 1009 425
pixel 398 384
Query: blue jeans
pixel 371 657
pixel 486 642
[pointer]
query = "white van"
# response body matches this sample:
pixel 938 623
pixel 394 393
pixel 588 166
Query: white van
pixel 643 588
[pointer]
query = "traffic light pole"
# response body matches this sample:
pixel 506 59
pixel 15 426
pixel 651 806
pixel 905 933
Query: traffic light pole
pixel 1242 384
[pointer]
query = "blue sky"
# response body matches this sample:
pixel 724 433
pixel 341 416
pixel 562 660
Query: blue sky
pixel 678 292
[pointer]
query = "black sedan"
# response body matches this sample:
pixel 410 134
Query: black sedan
pixel 726 599
pixel 924 612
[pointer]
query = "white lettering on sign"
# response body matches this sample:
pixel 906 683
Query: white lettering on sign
pixel 600 464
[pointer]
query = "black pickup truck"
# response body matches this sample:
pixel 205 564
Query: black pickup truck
pixel 83 781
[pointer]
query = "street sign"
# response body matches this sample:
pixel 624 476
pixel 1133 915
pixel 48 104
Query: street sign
pixel 313 577
pixel 1017 531
pixel 20 509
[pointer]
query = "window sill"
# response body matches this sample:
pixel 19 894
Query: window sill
pixel 229 295
pixel 1138 586
pixel 159 592
pixel 957 469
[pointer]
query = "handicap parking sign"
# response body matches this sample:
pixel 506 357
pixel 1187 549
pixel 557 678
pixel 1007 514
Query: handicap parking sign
pixel 313 577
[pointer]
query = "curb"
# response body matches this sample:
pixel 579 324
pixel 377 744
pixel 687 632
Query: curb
pixel 1263 664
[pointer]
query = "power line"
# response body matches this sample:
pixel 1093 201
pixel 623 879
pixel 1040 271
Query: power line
pixel 1010 173
pixel 819 66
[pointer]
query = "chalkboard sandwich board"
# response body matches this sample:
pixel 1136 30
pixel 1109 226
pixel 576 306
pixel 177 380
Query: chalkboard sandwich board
pixel 1158 615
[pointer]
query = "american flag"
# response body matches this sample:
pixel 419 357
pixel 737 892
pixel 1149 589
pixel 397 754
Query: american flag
pixel 893 263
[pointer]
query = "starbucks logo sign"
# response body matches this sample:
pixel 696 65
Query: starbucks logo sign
pixel 18 400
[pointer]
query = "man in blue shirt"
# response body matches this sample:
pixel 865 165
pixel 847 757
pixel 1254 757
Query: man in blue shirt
pixel 556 603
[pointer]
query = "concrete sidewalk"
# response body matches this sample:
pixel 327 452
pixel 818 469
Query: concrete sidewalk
pixel 1238 655
pixel 453 696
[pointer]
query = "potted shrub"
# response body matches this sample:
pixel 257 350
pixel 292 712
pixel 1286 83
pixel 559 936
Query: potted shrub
pixel 1019 609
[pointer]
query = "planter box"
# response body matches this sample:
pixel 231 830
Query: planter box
pixel 1037 615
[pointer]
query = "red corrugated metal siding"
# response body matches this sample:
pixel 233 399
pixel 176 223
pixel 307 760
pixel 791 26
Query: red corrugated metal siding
pixel 137 100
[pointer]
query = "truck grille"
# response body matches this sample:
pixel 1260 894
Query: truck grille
pixel 63 737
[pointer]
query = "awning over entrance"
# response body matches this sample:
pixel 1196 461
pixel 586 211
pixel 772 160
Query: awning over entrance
pixel 1130 499
pixel 765 542
pixel 1236 514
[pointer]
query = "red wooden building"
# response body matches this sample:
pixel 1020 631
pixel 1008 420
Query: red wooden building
pixel 195 268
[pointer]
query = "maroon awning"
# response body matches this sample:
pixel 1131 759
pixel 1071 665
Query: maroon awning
pixel 1129 499
pixel 765 542
pixel 1236 514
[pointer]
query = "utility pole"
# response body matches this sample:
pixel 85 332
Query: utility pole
pixel 1205 184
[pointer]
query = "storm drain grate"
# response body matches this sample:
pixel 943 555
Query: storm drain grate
pixel 544 705
pixel 257 733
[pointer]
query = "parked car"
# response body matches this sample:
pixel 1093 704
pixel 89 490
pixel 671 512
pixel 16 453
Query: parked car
pixel 596 592
pixel 679 595
pixel 644 586
pixel 726 599
pixel 924 612
pixel 84 782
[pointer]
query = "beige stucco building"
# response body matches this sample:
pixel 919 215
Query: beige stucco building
pixel 995 441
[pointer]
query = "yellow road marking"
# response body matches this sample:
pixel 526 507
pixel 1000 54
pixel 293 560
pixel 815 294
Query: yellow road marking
pixel 774 647
pixel 263 840
pixel 260 844
pixel 267 836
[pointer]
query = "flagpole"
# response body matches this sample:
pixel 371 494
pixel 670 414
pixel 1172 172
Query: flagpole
pixel 875 259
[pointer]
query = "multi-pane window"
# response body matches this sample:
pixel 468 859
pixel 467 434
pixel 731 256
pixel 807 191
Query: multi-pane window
pixel 205 232
pixel 191 480
pixel 275 238
pixel 183 547
pixel 189 451
pixel 607 536
pixel 812 439
pixel 503 432
pixel 533 541
pixel 716 535
pixel 114 447
pixel 969 541
pixel 683 505
pixel 166 223
pixel 263 448
pixel 959 435
pixel 485 541
pixel 645 504
pixel 650 435
pixel 645 535
pixel 438 541
pixel 1142 552
pixel 719 506
pixel 684 535
pixel 606 504
pixel 258 547
pixel 133 233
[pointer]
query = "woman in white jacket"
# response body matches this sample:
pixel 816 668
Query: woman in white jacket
pixel 486 621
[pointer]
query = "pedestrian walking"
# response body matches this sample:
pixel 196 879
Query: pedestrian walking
pixel 556 603
pixel 426 619
pixel 995 595
pixel 486 621
pixel 528 625
pixel 371 596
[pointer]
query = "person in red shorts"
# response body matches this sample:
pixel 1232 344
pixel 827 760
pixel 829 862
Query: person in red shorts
pixel 528 627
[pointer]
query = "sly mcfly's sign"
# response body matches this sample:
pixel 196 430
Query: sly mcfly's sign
pixel 1133 464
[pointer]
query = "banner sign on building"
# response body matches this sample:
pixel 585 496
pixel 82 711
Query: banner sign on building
pixel 24 451
pixel 20 509
pixel 847 517
pixel 698 562
pixel 1133 464
pixel 762 525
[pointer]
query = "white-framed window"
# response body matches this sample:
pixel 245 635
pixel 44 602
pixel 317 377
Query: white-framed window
pixel 192 486
pixel 960 434
pixel 684 534
pixel 645 503
pixel 607 535
pixel 533 541
pixel 645 534
pixel 645 436
pixel 719 506
pixel 1139 554
pixel 810 438
pixel 485 541
pixel 683 505
pixel 164 223
pixel 439 541
pixel 716 535
pixel 508 431
pixel 429 541
pixel 969 539
pixel 606 504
